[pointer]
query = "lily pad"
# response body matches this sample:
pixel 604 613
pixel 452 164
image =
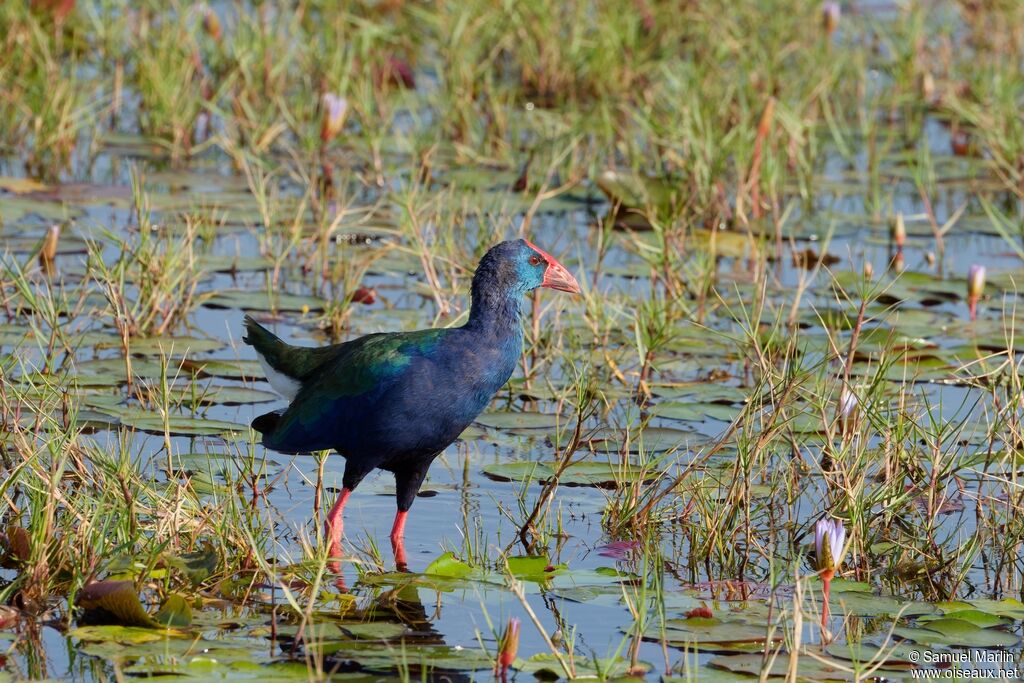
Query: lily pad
pixel 958 633
pixel 249 300
pixel 113 603
pixel 819 668
pixel 651 440
pixel 181 425
pixel 449 566
pixel 583 473
pixel 524 420
pixel 174 612
pixel 125 635
pixel 706 632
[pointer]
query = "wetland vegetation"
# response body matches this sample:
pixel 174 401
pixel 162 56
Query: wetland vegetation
pixel 798 228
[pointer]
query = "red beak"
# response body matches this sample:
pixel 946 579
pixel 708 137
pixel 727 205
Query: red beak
pixel 556 276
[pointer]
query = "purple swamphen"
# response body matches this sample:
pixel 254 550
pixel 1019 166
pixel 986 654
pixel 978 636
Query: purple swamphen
pixel 395 400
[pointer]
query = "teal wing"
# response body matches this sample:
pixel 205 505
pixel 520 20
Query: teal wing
pixel 333 397
pixel 295 362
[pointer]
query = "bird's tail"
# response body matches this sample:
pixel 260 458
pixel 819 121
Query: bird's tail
pixel 273 355
pixel 266 343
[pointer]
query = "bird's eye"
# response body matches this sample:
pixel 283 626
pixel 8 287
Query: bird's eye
pixel 535 260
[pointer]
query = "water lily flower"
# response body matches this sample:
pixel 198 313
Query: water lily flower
pixel 829 541
pixel 335 108
pixel 58 9
pixel 899 232
pixel 847 411
pixel 899 263
pixel 926 83
pixel 48 252
pixel 508 646
pixel 211 24
pixel 364 295
pixel 830 13
pixel 975 288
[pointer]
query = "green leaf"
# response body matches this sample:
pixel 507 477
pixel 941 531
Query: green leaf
pixel 182 425
pixel 174 612
pixel 125 635
pixel 523 420
pixel 603 668
pixel 700 631
pixel 113 602
pixel 374 630
pixel 957 632
pixel 448 565
pixel 261 300
pixel 529 566
pixel 974 616
pixel 198 565
pixel 580 473
pixel 808 668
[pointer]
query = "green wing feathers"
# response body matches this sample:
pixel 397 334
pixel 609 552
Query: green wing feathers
pixel 295 362
pixel 346 369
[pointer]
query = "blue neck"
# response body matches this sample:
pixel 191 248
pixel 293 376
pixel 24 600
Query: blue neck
pixel 495 312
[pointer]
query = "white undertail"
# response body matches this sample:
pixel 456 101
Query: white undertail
pixel 279 382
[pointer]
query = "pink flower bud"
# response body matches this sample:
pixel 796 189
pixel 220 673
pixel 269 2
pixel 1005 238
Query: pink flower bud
pixel 899 231
pixel 975 288
pixel 335 108
pixel 830 14
pixel 508 646
pixel 211 24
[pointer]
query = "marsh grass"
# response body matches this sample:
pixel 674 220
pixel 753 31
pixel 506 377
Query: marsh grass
pixel 746 142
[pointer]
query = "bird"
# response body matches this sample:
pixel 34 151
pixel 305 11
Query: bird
pixel 395 400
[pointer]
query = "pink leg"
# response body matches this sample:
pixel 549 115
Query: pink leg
pixel 398 540
pixel 334 525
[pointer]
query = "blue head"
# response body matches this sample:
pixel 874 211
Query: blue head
pixel 511 269
pixel 517 267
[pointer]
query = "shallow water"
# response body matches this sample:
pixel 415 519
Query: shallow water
pixel 587 584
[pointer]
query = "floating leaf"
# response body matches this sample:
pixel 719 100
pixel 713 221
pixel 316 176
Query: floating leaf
pixel 524 420
pixel 174 612
pixel 545 664
pixel 582 473
pixel 181 425
pixel 696 411
pixel 639 192
pixel 651 440
pixel 701 631
pixel 221 395
pixel 819 668
pixel 532 567
pixel 374 630
pixel 974 616
pixel 957 632
pixel 249 300
pixel 113 603
pixel 125 635
pixel 170 347
pixel 197 566
pixel 448 565
pixel 226 369
pixel 1007 607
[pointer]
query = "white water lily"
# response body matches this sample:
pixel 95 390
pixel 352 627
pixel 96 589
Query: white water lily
pixel 975 288
pixel 829 542
pixel 830 13
pixel 335 108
